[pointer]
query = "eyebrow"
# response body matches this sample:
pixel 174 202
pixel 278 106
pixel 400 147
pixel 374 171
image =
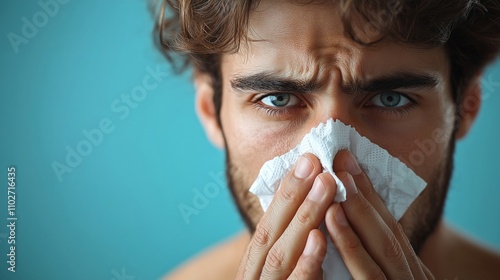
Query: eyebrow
pixel 270 82
pixel 401 80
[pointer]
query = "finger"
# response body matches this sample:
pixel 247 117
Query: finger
pixel 286 201
pixel 356 258
pixel 374 233
pixel 285 253
pixel 309 264
pixel 345 161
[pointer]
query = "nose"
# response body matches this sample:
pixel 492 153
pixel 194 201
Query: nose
pixel 337 105
pixel 333 102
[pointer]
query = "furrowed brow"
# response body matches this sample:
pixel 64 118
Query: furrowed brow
pixel 403 80
pixel 269 82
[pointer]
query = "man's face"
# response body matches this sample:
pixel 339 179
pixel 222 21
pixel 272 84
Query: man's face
pixel 298 70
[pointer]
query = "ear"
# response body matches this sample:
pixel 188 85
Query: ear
pixel 469 107
pixel 205 108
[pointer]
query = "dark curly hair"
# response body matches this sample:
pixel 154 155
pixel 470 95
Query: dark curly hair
pixel 199 31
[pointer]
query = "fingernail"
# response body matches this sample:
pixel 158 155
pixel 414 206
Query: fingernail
pixel 310 246
pixel 318 190
pixel 349 184
pixel 352 165
pixel 304 168
pixel 340 216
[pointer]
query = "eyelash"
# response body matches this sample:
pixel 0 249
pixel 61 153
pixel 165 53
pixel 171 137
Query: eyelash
pixel 400 112
pixel 381 112
pixel 277 112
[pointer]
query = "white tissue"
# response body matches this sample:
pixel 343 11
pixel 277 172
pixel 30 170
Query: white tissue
pixel 397 185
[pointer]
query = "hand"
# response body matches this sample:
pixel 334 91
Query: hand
pixel 371 242
pixel 287 243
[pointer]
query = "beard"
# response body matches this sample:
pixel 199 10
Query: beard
pixel 418 222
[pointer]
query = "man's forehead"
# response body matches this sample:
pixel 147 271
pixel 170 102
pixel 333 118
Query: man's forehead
pixel 308 41
pixel 284 22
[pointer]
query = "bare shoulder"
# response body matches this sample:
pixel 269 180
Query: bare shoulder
pixel 452 255
pixel 484 263
pixel 219 262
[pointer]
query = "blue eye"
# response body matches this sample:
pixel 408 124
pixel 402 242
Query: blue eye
pixel 390 99
pixel 280 100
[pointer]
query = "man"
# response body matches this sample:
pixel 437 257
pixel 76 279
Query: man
pixel 400 72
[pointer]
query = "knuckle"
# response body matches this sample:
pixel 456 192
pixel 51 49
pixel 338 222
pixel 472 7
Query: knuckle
pixel 364 208
pixel 262 236
pixel 392 249
pixel 350 244
pixel 347 242
pixel 371 194
pixel 289 195
pixel 275 261
pixel 305 215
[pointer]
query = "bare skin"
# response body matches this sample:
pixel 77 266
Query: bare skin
pixel 469 258
pixel 220 262
pixel 261 120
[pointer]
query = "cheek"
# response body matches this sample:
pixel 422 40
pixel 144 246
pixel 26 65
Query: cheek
pixel 422 150
pixel 422 140
pixel 429 146
pixel 250 143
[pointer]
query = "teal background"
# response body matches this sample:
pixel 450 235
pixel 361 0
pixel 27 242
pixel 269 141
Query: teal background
pixel 116 215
